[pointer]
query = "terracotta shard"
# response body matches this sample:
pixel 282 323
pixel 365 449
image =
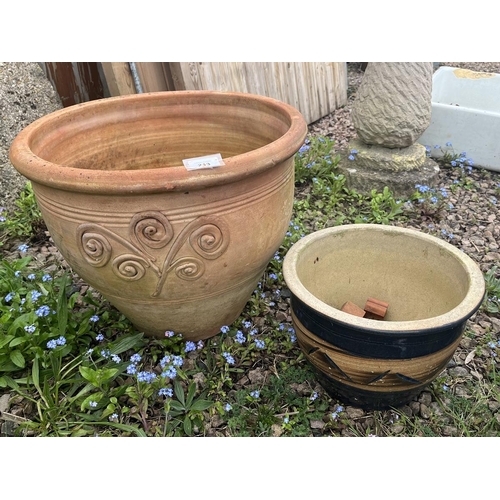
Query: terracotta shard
pixel 351 308
pixel 375 308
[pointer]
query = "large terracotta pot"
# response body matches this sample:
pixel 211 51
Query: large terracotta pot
pixel 431 287
pixel 172 249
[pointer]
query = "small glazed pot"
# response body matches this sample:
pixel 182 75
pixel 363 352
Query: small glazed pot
pixel 431 287
pixel 171 248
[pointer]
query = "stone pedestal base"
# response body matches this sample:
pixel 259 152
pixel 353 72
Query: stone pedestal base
pixel 375 167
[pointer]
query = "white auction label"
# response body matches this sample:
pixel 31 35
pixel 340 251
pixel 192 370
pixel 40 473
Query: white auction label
pixel 209 161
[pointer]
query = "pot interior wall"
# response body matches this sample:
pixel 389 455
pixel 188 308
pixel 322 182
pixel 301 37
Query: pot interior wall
pixel 157 133
pixel 417 278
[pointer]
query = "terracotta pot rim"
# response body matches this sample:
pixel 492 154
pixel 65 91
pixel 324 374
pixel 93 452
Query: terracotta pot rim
pixel 459 314
pixel 175 178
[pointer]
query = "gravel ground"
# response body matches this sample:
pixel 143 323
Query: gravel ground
pixel 25 95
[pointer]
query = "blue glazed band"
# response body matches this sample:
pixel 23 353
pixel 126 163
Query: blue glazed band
pixel 365 398
pixel 369 343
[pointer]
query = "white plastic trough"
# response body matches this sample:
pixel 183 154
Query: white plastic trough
pixel 466 112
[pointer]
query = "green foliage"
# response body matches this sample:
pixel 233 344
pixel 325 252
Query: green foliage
pixel 429 202
pixel 384 208
pixel 75 394
pixel 185 410
pixel 446 156
pixel 25 220
pixel 324 199
pixel 314 159
pixel 492 296
pixel 278 405
pixel 472 416
pixel 330 203
pixel 40 309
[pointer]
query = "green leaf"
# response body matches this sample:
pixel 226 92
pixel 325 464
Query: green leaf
pixel 6 365
pixel 81 433
pixel 87 388
pixel 128 342
pixel 104 375
pixel 179 393
pixel 123 427
pixel 89 374
pixel 35 374
pixel 62 306
pixel 11 382
pixel 17 341
pixel 191 393
pixel 72 301
pixel 5 317
pixel 201 404
pixel 3 382
pixel 176 406
pixel 97 396
pixel 17 358
pixel 109 410
pixel 19 322
pixel 6 340
pixel 188 426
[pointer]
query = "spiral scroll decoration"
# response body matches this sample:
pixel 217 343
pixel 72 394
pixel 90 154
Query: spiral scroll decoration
pixel 208 241
pixel 130 267
pixel 149 231
pixel 189 268
pixel 96 249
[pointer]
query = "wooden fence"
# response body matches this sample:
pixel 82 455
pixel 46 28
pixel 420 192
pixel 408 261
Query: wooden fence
pixel 314 88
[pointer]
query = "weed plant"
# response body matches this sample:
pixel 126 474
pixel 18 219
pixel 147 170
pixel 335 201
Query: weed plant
pixel 74 366
pixel 26 219
pixel 446 156
pixel 492 297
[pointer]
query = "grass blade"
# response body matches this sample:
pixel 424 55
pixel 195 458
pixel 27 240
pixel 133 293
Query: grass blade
pixel 62 306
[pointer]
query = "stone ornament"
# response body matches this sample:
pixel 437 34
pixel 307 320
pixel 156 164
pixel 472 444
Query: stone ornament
pixel 393 103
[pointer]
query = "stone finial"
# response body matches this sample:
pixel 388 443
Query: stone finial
pixel 393 103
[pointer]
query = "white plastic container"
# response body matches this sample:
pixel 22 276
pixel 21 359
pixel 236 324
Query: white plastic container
pixel 466 112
